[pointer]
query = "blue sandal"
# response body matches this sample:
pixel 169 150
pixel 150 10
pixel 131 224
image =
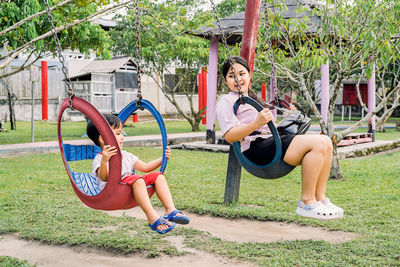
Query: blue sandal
pixel 178 219
pixel 159 222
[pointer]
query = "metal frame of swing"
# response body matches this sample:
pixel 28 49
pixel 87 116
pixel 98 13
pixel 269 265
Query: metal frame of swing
pixel 275 169
pixel 114 195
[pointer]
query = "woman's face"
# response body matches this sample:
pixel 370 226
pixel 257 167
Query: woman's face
pixel 243 77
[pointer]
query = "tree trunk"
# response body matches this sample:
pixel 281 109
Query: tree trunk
pixel 336 170
pixel 10 98
pixel 13 123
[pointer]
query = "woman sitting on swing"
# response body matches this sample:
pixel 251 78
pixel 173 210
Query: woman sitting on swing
pixel 312 152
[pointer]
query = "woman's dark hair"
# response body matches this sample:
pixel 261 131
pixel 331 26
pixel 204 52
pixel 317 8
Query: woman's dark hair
pixel 94 134
pixel 229 63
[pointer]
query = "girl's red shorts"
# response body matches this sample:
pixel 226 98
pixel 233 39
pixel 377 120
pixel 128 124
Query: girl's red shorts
pixel 149 178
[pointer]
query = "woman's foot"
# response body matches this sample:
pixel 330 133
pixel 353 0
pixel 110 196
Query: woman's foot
pixel 316 210
pixel 333 207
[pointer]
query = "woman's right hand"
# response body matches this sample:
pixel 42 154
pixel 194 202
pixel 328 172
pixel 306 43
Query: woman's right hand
pixel 264 116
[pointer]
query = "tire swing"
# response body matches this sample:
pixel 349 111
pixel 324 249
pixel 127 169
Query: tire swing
pixel 277 167
pixel 115 195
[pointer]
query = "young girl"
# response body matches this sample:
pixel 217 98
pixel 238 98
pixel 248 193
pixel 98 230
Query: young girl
pixel 312 152
pixel 138 182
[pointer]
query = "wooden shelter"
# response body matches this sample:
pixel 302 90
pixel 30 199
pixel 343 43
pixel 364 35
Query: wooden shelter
pixel 108 84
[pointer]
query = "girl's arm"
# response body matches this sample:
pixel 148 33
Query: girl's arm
pixel 107 152
pixel 152 165
pixel 239 132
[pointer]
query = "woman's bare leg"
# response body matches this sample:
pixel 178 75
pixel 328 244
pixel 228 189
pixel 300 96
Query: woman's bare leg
pixel 324 175
pixel 309 151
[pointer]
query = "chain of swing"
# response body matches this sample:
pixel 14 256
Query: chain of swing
pixel 64 69
pixel 270 53
pixel 68 83
pixel 70 91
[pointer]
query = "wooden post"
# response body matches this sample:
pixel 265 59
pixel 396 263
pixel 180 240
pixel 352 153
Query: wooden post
pixel 372 103
pixel 204 95
pixel 325 91
pixel 247 51
pixel 250 30
pixel 233 175
pixel 212 90
pixel 264 91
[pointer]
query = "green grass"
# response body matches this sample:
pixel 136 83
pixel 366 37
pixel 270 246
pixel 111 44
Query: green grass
pixel 10 262
pixel 38 203
pixel 47 130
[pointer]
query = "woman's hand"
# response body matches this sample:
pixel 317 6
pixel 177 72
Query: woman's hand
pixel 292 107
pixel 107 152
pixel 264 116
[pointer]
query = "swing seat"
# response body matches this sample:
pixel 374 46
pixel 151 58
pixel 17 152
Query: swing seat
pixel 115 195
pixel 277 167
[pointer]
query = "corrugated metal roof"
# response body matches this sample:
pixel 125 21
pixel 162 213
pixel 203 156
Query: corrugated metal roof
pixel 104 66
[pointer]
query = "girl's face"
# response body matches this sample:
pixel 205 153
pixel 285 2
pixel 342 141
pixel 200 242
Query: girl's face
pixel 243 77
pixel 119 136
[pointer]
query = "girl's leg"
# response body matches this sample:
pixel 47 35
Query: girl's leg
pixel 310 151
pixel 163 193
pixel 142 198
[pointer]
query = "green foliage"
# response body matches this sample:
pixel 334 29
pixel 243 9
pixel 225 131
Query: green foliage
pixel 229 7
pixel 6 261
pixel 83 37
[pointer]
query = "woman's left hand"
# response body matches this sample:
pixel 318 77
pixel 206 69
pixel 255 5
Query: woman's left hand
pixel 292 107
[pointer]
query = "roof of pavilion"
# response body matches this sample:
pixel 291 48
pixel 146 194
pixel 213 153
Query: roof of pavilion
pixel 232 26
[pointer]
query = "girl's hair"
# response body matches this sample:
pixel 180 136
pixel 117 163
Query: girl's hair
pixel 94 134
pixel 229 63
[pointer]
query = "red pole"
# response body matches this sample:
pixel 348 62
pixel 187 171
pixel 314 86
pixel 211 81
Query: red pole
pixel 200 89
pixel 250 29
pixel 264 91
pixel 45 97
pixel 135 117
pixel 204 74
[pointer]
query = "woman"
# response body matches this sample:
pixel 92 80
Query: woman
pixel 312 152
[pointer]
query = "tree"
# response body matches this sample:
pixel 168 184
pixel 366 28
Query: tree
pixel 24 26
pixel 164 44
pixel 355 36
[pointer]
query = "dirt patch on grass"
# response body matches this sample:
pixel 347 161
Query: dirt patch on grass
pixel 243 230
pixel 63 256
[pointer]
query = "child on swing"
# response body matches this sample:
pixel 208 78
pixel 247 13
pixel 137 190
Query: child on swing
pixel 131 164
pixel 312 152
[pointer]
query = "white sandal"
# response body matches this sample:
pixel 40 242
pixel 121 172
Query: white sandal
pixel 333 207
pixel 316 211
